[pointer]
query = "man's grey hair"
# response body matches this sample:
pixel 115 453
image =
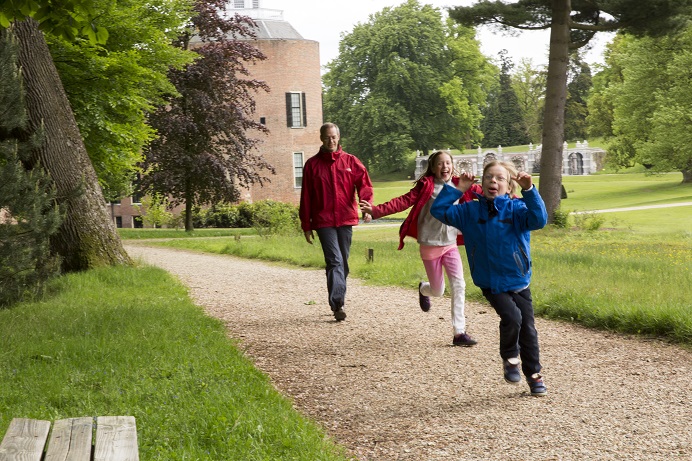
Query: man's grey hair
pixel 326 126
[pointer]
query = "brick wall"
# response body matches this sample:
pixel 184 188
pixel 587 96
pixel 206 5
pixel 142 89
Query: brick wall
pixel 291 66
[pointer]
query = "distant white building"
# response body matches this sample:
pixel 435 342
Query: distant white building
pixel 578 160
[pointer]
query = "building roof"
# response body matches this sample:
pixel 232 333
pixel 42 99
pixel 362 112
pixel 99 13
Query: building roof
pixel 273 29
pixel 270 23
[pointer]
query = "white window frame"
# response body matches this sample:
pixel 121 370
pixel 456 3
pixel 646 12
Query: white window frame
pixel 298 164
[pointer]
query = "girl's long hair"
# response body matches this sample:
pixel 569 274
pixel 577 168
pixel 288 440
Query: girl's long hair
pixel 431 162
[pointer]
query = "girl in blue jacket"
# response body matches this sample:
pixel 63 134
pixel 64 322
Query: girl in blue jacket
pixel 497 235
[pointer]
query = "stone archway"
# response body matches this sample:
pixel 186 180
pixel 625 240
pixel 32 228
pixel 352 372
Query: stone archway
pixel 575 164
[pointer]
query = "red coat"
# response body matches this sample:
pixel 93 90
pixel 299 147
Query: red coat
pixel 328 194
pixel 417 197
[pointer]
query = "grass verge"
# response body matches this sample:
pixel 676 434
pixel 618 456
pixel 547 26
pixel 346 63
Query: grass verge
pixel 128 341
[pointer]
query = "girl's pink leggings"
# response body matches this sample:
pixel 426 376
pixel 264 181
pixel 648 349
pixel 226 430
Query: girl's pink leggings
pixel 451 262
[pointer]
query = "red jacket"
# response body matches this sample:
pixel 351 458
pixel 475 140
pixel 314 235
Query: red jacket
pixel 418 196
pixel 328 194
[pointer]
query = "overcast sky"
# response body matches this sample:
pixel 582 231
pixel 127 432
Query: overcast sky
pixel 325 21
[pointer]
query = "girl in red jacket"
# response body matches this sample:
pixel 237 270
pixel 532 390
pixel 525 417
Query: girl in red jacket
pixel 438 242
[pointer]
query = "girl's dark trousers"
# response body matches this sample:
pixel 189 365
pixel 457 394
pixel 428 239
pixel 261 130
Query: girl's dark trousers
pixel 518 336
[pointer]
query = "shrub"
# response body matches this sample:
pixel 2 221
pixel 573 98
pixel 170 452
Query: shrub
pixel 561 219
pixel 266 217
pixel 589 221
pixel 29 214
pixel 275 217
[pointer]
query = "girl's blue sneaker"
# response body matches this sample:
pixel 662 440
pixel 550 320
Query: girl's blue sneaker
pixel 511 370
pixel 537 385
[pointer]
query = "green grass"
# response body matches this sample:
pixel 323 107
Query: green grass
pixel 145 234
pixel 588 193
pixel 128 341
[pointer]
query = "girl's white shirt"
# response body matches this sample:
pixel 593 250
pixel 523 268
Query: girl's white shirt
pixel 431 231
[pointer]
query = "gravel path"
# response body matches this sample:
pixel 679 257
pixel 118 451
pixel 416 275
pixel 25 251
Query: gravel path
pixel 388 385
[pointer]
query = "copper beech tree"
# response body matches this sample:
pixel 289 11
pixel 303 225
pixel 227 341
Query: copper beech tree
pixel 204 152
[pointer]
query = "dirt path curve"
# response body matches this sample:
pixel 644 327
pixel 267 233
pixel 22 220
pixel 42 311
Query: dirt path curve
pixel 387 384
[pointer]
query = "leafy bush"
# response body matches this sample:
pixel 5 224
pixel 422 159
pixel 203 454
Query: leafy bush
pixel 266 217
pixel 560 219
pixel 271 217
pixel 29 215
pixel 589 221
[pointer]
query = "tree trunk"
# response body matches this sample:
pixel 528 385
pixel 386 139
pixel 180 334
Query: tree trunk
pixel 87 237
pixel 188 207
pixel 550 183
pixel 686 176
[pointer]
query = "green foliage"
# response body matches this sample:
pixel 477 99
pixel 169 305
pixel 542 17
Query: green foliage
pixel 66 18
pixel 503 123
pixel 112 87
pixel 589 221
pixel 29 215
pixel 406 80
pixel 273 218
pixel 561 219
pixel 529 85
pixel 155 211
pixel 576 109
pixel 651 99
pixel 267 217
pixel 129 341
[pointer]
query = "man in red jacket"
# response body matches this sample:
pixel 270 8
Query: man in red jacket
pixel 328 206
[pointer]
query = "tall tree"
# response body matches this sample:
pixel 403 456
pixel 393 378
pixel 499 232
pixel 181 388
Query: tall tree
pixel 28 211
pixel 529 85
pixel 572 24
pixel 652 102
pixel 405 80
pixel 578 87
pixel 503 121
pixel 204 152
pixel 87 237
pixel 599 103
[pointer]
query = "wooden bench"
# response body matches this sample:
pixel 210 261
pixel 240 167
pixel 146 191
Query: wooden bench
pixel 115 439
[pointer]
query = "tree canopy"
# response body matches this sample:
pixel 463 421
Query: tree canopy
pixel 572 24
pixel 113 86
pixel 66 18
pixel 503 118
pixel 647 84
pixel 406 80
pixel 576 110
pixel 203 152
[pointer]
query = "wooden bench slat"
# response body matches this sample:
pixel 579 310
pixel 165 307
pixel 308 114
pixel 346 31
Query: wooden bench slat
pixel 116 439
pixel 70 440
pixel 25 440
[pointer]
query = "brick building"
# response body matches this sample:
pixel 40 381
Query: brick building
pixel 291 110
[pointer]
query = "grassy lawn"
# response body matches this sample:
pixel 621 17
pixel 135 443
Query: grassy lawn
pixel 596 192
pixel 128 341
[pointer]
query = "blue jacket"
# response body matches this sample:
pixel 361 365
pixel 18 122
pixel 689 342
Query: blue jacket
pixel 497 247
